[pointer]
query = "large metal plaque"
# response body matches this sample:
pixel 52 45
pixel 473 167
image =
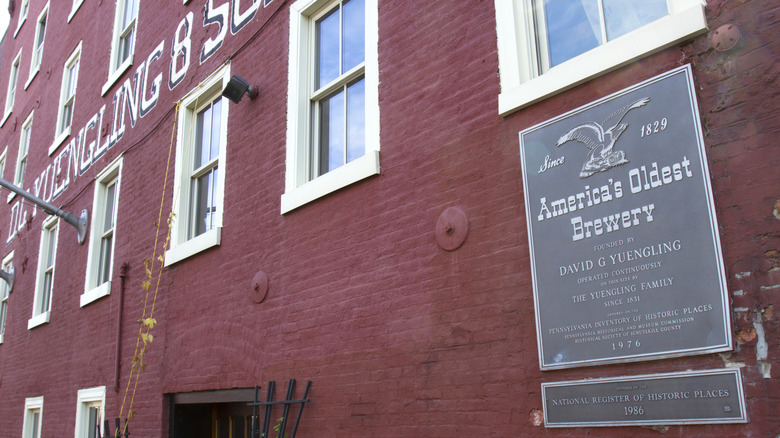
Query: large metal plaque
pixel 714 396
pixel 625 253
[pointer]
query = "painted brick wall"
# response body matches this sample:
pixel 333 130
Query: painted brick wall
pixel 399 337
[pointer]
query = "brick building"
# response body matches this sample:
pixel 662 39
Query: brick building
pixel 362 222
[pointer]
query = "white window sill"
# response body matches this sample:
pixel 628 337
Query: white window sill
pixel 58 141
pixel 32 76
pixel 37 320
pixel 350 173
pixel 193 246
pixel 95 293
pixel 648 39
pixel 7 114
pixel 114 77
pixel 76 6
pixel 11 195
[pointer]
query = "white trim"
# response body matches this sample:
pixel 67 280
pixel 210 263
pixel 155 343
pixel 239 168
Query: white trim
pixel 92 290
pixel 9 106
pixel 114 77
pixel 299 190
pixel 183 247
pixel 7 265
pixel 520 87
pixel 26 126
pixel 197 244
pixel 85 398
pixel 38 45
pixel 32 404
pixel 60 136
pixel 116 70
pixel 76 6
pixel 23 12
pixel 47 227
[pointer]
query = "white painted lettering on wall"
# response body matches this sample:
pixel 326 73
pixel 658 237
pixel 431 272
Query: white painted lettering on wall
pixel 136 97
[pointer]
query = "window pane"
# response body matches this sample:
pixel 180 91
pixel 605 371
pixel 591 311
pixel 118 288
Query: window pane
pixel 104 260
pixel 46 294
pixel 354 34
pixel 129 13
pixel 216 118
pixel 126 46
pixel 36 419
pixel 108 221
pixel 328 59
pixel 623 16
pixel 73 72
pixel 3 309
pixel 204 206
pixel 67 113
pixel 207 134
pixel 332 140
pixel 93 427
pixel 356 120
pixel 573 28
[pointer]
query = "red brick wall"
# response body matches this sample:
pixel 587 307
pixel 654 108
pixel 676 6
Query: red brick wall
pixel 399 337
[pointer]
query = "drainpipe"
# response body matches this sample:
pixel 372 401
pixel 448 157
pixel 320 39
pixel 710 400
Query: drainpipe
pixel 122 277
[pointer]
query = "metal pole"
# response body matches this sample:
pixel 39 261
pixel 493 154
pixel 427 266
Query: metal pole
pixel 79 223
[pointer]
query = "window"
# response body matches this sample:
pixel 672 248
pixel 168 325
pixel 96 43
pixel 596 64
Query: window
pixel 24 147
pixel 333 121
pixel 547 46
pixel 5 291
pixel 200 172
pixel 33 417
pixel 70 75
pixel 22 15
pixel 2 162
pixel 102 236
pixel 90 412
pixel 40 36
pixel 123 41
pixel 47 257
pixel 13 79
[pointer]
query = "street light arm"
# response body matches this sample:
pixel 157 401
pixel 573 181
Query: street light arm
pixel 79 223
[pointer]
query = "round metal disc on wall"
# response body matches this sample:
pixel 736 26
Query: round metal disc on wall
pixel 452 228
pixel 259 289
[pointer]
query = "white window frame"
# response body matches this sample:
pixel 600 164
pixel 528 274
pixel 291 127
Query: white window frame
pixel 31 405
pixel 13 86
pixel 299 190
pixel 25 135
pixel 61 133
pixel 518 59
pixel 49 230
pixel 93 290
pixel 115 68
pixel 183 247
pixel 37 51
pixel 87 398
pixel 76 6
pixel 3 161
pixel 7 266
pixel 23 10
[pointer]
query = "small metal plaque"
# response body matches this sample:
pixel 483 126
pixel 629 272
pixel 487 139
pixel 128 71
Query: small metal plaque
pixel 625 252
pixel 702 397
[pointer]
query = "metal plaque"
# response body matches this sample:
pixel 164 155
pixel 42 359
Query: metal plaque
pixel 701 397
pixel 625 254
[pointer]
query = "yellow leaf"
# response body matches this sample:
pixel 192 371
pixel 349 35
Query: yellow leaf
pixel 146 285
pixel 150 322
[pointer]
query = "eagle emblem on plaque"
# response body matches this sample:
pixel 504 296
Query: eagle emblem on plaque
pixel 602 154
